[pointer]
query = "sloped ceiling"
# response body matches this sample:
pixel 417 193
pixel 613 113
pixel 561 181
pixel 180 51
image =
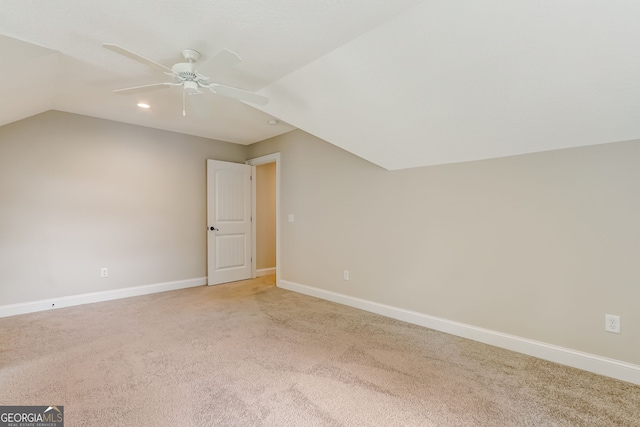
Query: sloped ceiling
pixel 401 83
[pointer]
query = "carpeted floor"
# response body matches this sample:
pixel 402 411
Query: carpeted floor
pixel 250 354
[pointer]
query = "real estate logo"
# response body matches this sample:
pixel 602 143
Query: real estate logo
pixel 31 416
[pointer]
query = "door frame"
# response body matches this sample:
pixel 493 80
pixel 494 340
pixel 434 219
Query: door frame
pixel 269 158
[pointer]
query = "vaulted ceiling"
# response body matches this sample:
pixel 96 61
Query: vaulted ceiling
pixel 401 83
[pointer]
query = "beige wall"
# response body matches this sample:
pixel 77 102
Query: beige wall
pixel 539 246
pixel 266 216
pixel 79 193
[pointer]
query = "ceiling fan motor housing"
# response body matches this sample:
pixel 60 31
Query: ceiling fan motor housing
pixel 185 73
pixel 184 70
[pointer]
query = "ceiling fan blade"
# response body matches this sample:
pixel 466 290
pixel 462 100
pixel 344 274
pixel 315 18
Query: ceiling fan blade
pixel 242 95
pixel 122 51
pixel 144 87
pixel 220 61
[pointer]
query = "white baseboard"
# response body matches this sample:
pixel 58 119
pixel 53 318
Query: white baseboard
pixel 70 301
pixel 265 272
pixel 588 362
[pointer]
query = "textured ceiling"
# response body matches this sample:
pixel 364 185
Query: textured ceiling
pixel 401 83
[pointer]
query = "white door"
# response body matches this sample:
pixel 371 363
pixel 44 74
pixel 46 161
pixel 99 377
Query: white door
pixel 229 221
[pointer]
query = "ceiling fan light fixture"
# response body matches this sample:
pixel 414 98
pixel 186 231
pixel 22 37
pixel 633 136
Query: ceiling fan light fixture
pixel 191 88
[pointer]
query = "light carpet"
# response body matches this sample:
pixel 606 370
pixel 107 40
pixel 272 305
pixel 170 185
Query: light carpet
pixel 251 354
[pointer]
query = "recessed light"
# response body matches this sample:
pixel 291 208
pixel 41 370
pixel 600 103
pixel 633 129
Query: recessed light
pixel 143 105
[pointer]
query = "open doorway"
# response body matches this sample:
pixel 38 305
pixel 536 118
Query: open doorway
pixel 265 219
pixel 266 214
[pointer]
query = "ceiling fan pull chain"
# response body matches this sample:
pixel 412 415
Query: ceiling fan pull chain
pixel 184 109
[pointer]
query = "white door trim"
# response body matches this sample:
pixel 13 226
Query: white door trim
pixel 269 158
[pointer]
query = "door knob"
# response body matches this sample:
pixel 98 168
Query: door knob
pixel 213 229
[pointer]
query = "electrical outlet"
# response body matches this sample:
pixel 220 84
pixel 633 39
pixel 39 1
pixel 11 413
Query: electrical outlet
pixel 612 323
pixel 345 275
pixel 104 272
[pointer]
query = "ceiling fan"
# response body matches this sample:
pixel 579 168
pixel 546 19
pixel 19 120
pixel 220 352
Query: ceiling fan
pixel 191 75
